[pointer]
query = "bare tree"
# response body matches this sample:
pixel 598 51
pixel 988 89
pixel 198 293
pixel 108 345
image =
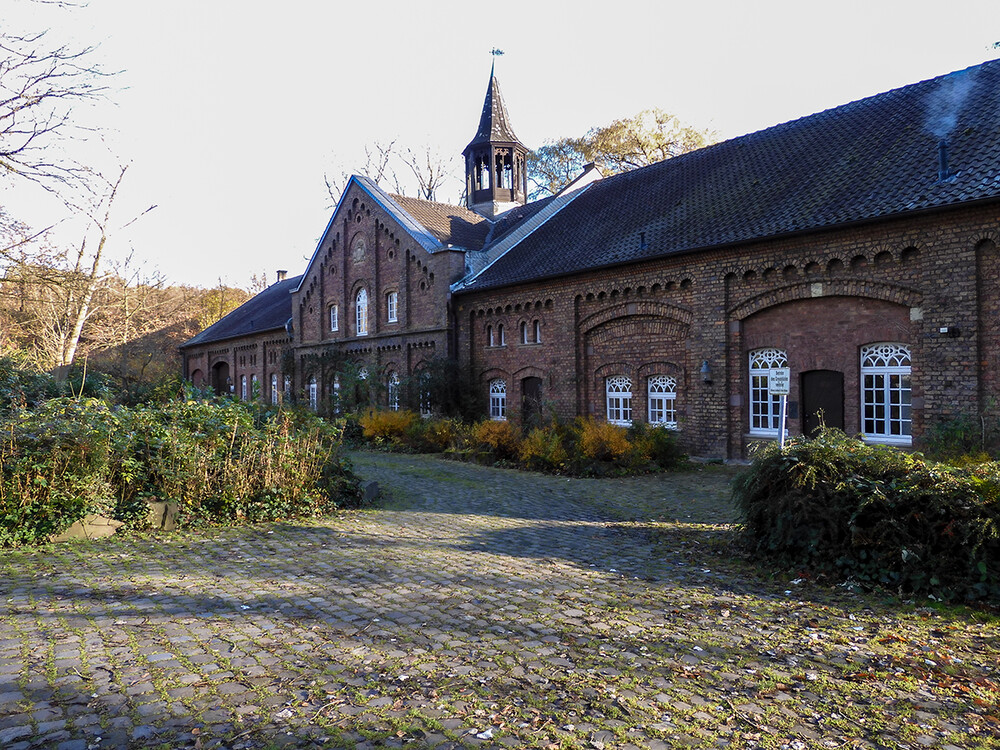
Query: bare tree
pixel 39 87
pixel 430 169
pixel 379 158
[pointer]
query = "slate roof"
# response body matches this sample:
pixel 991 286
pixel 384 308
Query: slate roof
pixel 267 311
pixel 494 123
pixel 870 159
pixel 451 225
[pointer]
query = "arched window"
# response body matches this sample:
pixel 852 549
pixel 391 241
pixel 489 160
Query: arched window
pixel 334 318
pixel 498 399
pixel 618 389
pixel 524 332
pixel 361 312
pixel 274 388
pixel 765 409
pixel 243 387
pixel 662 401
pixel 391 300
pixel 313 394
pixel 288 386
pixel 885 393
pixel 254 386
pixel 538 332
pixel 501 338
pixel 392 388
pixel 489 336
pixel 335 394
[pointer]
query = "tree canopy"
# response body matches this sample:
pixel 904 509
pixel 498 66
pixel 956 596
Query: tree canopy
pixel 627 143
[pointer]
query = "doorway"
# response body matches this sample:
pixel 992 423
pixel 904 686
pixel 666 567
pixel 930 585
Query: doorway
pixel 531 401
pixel 822 400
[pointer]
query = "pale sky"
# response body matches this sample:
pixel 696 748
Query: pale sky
pixel 230 113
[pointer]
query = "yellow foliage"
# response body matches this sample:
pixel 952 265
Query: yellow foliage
pixel 388 425
pixel 497 435
pixel 603 441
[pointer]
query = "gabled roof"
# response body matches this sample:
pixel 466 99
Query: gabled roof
pixel 871 159
pixel 494 123
pixel 267 311
pixel 451 225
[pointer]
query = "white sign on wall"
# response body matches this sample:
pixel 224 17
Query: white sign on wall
pixel 778 381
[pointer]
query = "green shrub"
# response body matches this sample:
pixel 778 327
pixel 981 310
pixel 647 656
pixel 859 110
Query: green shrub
pixel 223 461
pixel 875 514
pixel 657 445
pixel 544 449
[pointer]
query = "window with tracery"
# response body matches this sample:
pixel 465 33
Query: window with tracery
pixel 765 409
pixel 885 393
pixel 498 399
pixel 392 389
pixel 618 390
pixel 662 401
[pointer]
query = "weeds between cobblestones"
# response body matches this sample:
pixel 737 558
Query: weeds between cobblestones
pixel 478 607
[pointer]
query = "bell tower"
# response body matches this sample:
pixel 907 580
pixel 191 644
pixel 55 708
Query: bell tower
pixel 496 175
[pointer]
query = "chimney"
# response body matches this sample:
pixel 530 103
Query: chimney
pixel 281 275
pixel 943 173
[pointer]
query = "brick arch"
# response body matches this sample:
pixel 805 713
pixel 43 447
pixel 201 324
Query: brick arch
pixel 613 368
pixel 612 328
pixel 984 237
pixel 831 288
pixel 529 371
pixel 644 308
pixel 660 367
pixel 491 373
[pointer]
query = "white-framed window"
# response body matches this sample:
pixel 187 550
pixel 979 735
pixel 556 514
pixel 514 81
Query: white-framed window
pixel 391 300
pixel 489 336
pixel 501 337
pixel 765 409
pixel 361 312
pixel 288 386
pixel 524 333
pixel 274 388
pixel 313 394
pixel 334 318
pixel 885 393
pixel 426 408
pixel 618 389
pixel 538 331
pixel 243 387
pixel 498 399
pixel 254 386
pixel 392 388
pixel 662 401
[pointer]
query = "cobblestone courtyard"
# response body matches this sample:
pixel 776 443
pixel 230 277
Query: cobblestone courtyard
pixel 477 607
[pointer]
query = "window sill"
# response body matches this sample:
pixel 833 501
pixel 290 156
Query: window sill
pixel 893 440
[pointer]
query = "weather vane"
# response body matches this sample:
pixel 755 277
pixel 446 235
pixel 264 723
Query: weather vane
pixel 496 52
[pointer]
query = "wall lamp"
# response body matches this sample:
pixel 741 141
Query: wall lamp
pixel 706 373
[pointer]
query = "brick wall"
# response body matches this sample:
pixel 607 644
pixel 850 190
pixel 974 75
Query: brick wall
pixel 820 297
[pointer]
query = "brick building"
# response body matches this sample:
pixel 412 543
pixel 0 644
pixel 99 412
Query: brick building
pixel 859 247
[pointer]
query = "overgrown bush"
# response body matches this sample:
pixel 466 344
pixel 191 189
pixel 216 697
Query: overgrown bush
pixel 388 428
pixel 584 447
pixel 500 438
pixel 603 441
pixel 545 449
pixel 221 460
pixel 877 515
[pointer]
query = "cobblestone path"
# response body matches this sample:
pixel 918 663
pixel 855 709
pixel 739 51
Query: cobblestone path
pixel 475 607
